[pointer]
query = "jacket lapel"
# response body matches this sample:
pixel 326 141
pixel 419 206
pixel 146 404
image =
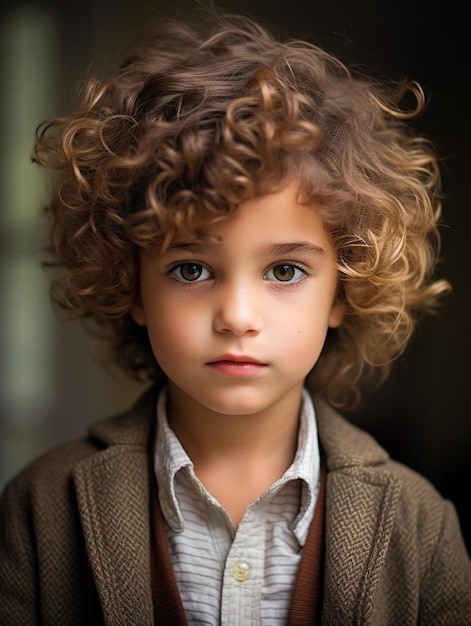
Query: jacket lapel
pixel 360 510
pixel 113 498
pixel 112 490
pixel 359 520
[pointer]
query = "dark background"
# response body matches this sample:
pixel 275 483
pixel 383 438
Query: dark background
pixel 421 415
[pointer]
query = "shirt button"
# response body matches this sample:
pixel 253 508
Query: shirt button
pixel 241 571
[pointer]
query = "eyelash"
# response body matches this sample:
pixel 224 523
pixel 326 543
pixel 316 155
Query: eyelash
pixel 289 283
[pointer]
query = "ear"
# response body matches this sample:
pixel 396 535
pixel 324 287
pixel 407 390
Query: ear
pixel 138 313
pixel 336 314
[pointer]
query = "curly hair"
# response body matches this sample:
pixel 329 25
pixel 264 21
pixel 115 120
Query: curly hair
pixel 201 118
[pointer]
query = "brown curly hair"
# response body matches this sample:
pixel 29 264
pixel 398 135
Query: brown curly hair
pixel 202 118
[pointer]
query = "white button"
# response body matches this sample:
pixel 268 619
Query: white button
pixel 241 571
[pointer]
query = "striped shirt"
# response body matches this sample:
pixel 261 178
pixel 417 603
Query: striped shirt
pixel 245 576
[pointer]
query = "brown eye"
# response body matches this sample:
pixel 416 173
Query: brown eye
pixel 190 273
pixel 284 273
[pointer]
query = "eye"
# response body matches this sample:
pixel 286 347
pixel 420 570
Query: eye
pixel 285 273
pixel 190 273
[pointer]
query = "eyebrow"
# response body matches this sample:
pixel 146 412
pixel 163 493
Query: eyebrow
pixel 305 248
pixel 194 246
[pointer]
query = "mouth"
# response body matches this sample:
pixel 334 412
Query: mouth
pixel 236 365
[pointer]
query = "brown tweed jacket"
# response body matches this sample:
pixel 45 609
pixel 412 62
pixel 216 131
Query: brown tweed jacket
pixel 74 534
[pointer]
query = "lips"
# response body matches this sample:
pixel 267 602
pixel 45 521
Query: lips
pixel 237 365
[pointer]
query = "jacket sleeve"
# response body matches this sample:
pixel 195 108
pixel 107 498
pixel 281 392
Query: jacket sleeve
pixel 18 576
pixel 446 583
pixel 45 576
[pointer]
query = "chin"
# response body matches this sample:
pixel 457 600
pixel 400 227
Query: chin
pixel 235 402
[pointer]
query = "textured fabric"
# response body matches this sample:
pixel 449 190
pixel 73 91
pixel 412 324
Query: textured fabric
pixel 75 534
pixel 205 547
pixel 306 599
pixel 166 599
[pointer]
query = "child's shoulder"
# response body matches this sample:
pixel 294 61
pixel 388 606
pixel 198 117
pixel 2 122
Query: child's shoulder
pixel 352 452
pixel 50 476
pixel 373 500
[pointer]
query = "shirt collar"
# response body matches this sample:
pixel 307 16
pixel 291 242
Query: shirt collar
pixel 306 467
pixel 170 457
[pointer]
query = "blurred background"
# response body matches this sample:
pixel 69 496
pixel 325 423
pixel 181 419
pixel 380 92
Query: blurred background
pixel 51 382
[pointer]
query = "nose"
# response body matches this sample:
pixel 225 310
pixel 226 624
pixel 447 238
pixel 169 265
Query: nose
pixel 238 310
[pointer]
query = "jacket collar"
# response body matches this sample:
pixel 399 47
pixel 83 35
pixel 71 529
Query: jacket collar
pixel 113 496
pixel 344 444
pixel 133 427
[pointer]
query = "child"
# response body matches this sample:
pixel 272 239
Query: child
pixel 242 219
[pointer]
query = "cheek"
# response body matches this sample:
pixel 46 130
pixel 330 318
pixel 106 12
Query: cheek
pixel 173 332
pixel 309 349
pixel 307 331
pixel 310 339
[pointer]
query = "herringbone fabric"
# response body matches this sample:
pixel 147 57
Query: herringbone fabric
pixel 75 534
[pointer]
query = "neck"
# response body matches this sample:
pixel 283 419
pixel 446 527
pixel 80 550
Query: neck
pixel 211 438
pixel 236 457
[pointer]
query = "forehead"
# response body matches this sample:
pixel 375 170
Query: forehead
pixel 277 218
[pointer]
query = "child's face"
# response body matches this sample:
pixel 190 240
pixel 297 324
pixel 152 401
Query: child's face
pixel 238 323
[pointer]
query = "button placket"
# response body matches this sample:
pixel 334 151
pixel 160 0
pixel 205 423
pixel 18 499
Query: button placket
pixel 242 581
